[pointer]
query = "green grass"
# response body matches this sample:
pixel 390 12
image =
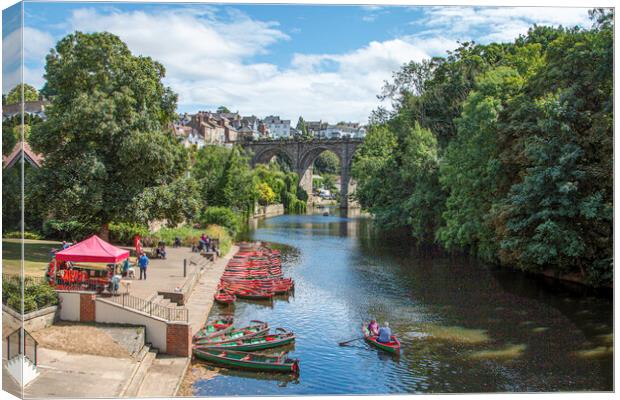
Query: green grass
pixel 36 252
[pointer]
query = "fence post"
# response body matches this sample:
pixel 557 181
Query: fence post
pixel 184 267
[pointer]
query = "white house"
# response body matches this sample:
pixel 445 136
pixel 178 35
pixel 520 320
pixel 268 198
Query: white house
pixel 278 128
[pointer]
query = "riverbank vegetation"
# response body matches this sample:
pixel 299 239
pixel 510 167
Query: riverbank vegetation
pixel 503 151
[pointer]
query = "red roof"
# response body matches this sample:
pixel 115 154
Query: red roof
pixel 93 249
pixel 33 158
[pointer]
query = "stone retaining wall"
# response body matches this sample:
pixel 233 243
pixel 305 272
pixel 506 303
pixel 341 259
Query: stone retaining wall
pixel 271 210
pixel 33 321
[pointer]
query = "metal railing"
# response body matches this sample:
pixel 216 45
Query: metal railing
pixel 15 346
pixel 146 306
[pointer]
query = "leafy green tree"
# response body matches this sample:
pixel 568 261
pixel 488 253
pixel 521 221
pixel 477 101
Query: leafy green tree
pixel 235 185
pixel 549 213
pixel 471 171
pixel 107 138
pixel 266 195
pixel 223 109
pixel 327 163
pixel 9 140
pixel 301 127
pixel 15 95
pixel 207 169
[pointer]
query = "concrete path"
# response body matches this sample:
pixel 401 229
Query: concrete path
pixel 201 298
pixel 164 376
pixel 163 275
pixel 66 375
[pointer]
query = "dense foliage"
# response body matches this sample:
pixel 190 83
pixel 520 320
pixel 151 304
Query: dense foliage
pixel 504 151
pixel 110 154
pixel 37 293
pixel 15 95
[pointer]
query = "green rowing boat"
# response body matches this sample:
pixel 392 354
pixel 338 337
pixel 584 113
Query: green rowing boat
pixel 243 360
pixel 254 343
pixel 258 329
pixel 391 347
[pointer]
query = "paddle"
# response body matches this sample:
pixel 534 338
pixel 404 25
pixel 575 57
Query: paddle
pixel 349 341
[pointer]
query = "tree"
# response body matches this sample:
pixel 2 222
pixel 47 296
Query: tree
pixel 471 171
pixel 327 163
pixel 223 109
pixel 266 195
pixel 107 141
pixel 235 186
pixel 301 127
pixel 15 95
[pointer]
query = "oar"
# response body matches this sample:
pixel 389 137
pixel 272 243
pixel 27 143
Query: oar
pixel 349 341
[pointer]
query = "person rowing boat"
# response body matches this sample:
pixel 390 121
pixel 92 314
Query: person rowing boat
pixel 385 333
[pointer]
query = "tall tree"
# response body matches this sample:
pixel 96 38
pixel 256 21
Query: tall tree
pixel 301 127
pixel 107 138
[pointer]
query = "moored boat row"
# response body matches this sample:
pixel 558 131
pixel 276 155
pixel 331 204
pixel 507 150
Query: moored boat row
pixel 230 347
pixel 254 273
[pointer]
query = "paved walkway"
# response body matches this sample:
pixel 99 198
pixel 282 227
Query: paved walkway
pixel 164 376
pixel 201 299
pixel 165 274
pixel 66 375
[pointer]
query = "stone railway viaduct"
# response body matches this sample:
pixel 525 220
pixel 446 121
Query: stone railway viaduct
pixel 301 155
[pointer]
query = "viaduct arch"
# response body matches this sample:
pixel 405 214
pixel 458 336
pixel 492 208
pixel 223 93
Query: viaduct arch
pixel 302 154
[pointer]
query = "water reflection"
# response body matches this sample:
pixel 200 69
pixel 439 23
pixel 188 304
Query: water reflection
pixel 464 327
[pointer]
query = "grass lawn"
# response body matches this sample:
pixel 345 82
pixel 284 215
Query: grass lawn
pixel 36 252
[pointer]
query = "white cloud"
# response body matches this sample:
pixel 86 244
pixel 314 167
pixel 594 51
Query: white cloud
pixel 36 45
pixel 502 24
pixel 210 61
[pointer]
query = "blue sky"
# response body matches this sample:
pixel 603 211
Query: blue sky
pixel 322 62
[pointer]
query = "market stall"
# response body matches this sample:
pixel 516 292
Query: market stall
pixel 87 265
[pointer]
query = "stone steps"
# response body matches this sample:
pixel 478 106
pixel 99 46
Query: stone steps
pixel 133 386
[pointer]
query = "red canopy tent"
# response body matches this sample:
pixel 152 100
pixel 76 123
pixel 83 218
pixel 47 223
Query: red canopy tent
pixel 94 250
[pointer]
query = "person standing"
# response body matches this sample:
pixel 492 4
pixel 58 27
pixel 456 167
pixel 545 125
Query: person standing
pixel 143 262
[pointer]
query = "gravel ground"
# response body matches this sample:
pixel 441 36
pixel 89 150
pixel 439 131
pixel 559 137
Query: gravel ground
pixel 75 338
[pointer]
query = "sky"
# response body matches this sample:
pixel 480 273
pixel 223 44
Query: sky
pixel 320 62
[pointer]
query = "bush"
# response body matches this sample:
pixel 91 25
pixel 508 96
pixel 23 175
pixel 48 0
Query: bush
pixel 71 230
pixel 124 233
pixel 221 216
pixel 190 236
pixel 37 293
pixel 18 235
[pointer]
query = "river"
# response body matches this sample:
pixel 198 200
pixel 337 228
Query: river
pixel 464 327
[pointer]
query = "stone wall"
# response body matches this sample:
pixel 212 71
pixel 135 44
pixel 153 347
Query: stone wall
pixel 271 210
pixel 33 321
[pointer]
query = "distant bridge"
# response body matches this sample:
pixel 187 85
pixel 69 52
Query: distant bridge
pixel 302 153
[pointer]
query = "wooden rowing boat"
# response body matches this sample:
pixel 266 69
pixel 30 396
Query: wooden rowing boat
pixel 243 360
pixel 258 329
pixel 214 327
pixel 254 343
pixel 224 297
pixel 253 294
pixel 391 347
